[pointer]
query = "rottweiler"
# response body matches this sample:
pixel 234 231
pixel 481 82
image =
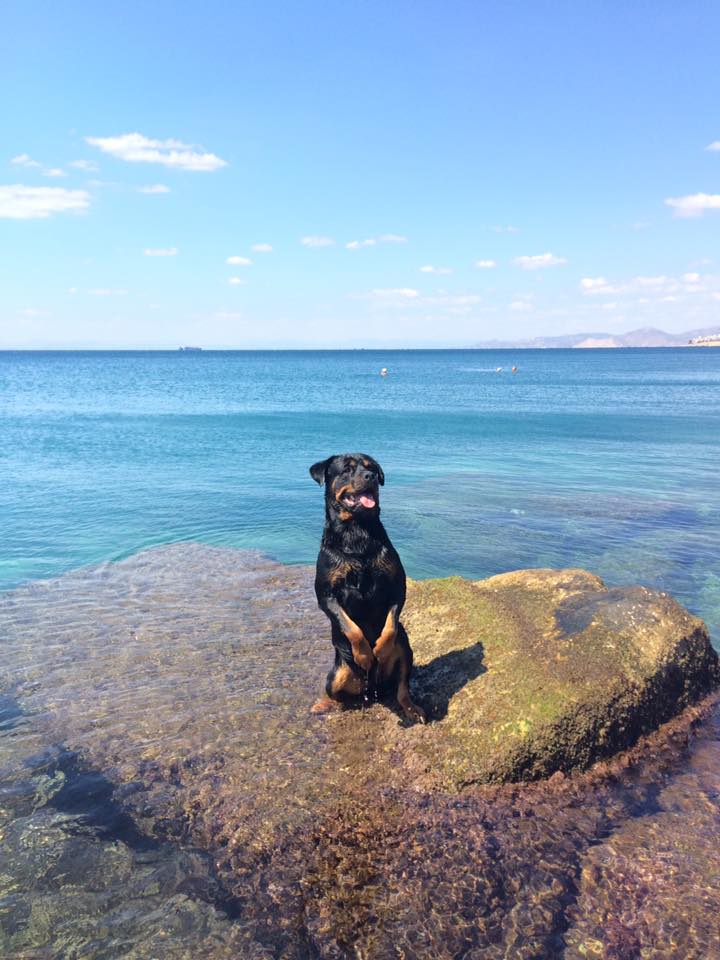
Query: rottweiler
pixel 360 586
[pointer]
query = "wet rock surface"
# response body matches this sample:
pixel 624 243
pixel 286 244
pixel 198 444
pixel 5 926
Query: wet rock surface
pixel 165 789
pixel 536 671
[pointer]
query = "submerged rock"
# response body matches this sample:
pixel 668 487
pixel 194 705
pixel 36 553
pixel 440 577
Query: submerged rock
pixel 536 671
pixel 178 683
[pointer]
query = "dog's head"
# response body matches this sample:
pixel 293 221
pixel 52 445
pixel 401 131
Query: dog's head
pixel 352 482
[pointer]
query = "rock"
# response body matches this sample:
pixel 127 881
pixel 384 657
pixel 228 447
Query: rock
pixel 652 888
pixel 178 682
pixel 539 671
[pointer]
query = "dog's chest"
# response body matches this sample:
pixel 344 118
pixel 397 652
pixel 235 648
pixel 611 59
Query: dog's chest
pixel 372 577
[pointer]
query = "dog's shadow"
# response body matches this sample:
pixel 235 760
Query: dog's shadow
pixel 437 682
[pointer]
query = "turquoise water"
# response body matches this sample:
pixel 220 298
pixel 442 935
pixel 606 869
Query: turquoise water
pixel 156 750
pixel 605 459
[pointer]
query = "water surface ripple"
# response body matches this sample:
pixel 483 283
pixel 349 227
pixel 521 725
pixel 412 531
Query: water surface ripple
pixel 605 459
pixel 163 790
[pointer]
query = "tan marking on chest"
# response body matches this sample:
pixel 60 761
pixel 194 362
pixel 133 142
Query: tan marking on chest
pixel 339 573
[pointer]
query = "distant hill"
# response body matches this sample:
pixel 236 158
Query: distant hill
pixel 644 337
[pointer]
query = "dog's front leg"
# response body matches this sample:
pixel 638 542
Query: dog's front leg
pixel 388 635
pixel 361 649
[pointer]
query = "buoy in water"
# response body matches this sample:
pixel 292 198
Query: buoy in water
pixel 384 372
pixel 515 369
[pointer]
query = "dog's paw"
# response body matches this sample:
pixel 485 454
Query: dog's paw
pixel 385 655
pixel 413 712
pixel 325 705
pixel 364 658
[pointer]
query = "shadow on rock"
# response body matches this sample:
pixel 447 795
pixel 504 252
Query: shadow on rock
pixel 437 682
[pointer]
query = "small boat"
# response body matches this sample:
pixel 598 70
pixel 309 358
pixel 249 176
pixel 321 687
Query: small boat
pixel 384 372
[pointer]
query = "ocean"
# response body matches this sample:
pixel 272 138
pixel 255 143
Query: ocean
pixel 165 791
pixel 603 459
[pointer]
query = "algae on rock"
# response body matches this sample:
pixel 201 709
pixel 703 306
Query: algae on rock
pixel 537 671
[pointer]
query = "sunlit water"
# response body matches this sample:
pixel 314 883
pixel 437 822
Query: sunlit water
pixel 164 792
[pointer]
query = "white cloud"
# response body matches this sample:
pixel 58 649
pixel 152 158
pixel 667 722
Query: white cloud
pixel 431 269
pixel 262 247
pixel 373 241
pixel 239 261
pixel 405 292
pixel 660 288
pixel 715 145
pixel 107 292
pixel 508 229
pixel 521 305
pixel 136 148
pixel 317 241
pixel 89 166
pixel 485 264
pixel 32 312
pixel 694 205
pixel 236 281
pixel 72 290
pixel 23 160
pixel 460 300
pixel 161 251
pixel 439 306
pixel 154 188
pixel 19 202
pixel 594 284
pixel 540 261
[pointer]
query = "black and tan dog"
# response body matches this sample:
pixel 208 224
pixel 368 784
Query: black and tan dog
pixel 360 586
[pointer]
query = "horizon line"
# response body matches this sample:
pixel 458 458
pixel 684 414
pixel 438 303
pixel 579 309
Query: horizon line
pixel 195 351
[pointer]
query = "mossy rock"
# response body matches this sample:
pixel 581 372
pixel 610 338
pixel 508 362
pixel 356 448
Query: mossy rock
pixel 536 671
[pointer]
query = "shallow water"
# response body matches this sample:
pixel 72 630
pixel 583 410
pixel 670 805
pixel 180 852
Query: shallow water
pixel 163 790
pixel 166 793
pixel 605 459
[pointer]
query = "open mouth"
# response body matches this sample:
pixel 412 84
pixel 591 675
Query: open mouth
pixel 365 499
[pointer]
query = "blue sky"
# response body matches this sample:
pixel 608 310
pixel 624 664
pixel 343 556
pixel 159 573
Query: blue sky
pixel 402 173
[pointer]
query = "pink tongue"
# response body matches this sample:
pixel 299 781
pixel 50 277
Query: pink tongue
pixel 367 501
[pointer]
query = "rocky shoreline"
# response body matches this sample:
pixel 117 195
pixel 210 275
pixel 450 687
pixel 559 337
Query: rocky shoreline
pixel 181 678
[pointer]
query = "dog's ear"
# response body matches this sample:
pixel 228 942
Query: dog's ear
pixel 317 470
pixel 378 470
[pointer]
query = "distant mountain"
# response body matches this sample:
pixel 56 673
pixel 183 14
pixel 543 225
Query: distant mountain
pixel 644 337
